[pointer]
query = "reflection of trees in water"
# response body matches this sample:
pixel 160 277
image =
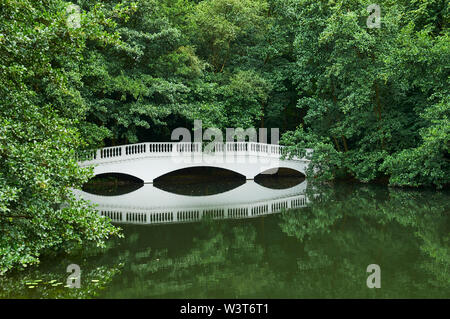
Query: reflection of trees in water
pixel 429 217
pixel 50 278
pixel 405 232
pixel 219 259
pixel 326 254
pixel 320 251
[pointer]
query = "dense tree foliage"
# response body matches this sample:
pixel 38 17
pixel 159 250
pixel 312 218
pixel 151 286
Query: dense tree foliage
pixel 376 100
pixel 41 120
pixel 372 102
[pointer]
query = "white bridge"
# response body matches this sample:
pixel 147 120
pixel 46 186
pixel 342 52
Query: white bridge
pixel 148 161
pixel 151 205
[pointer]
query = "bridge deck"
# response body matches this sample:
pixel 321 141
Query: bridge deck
pixel 148 161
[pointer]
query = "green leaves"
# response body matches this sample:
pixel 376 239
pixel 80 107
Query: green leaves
pixel 372 92
pixel 40 112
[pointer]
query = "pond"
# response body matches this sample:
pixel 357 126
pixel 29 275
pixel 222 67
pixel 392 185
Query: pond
pixel 252 241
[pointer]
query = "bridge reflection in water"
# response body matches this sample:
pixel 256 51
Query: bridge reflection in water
pixel 151 205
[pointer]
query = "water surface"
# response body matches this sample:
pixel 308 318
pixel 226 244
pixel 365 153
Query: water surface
pixel 319 249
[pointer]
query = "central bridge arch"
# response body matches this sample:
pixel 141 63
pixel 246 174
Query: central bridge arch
pixel 202 171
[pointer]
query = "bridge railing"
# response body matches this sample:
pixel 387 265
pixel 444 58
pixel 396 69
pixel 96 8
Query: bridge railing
pixel 195 214
pixel 157 149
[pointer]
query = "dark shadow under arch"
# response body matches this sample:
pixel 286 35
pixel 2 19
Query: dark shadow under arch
pixel 199 181
pixel 112 184
pixel 280 178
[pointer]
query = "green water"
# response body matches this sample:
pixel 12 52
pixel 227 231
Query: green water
pixel 320 251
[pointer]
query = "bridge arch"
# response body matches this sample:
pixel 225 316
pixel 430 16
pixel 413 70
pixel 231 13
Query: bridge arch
pixel 118 175
pixel 112 184
pixel 282 171
pixel 199 181
pixel 298 168
pixel 280 178
pixel 200 170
